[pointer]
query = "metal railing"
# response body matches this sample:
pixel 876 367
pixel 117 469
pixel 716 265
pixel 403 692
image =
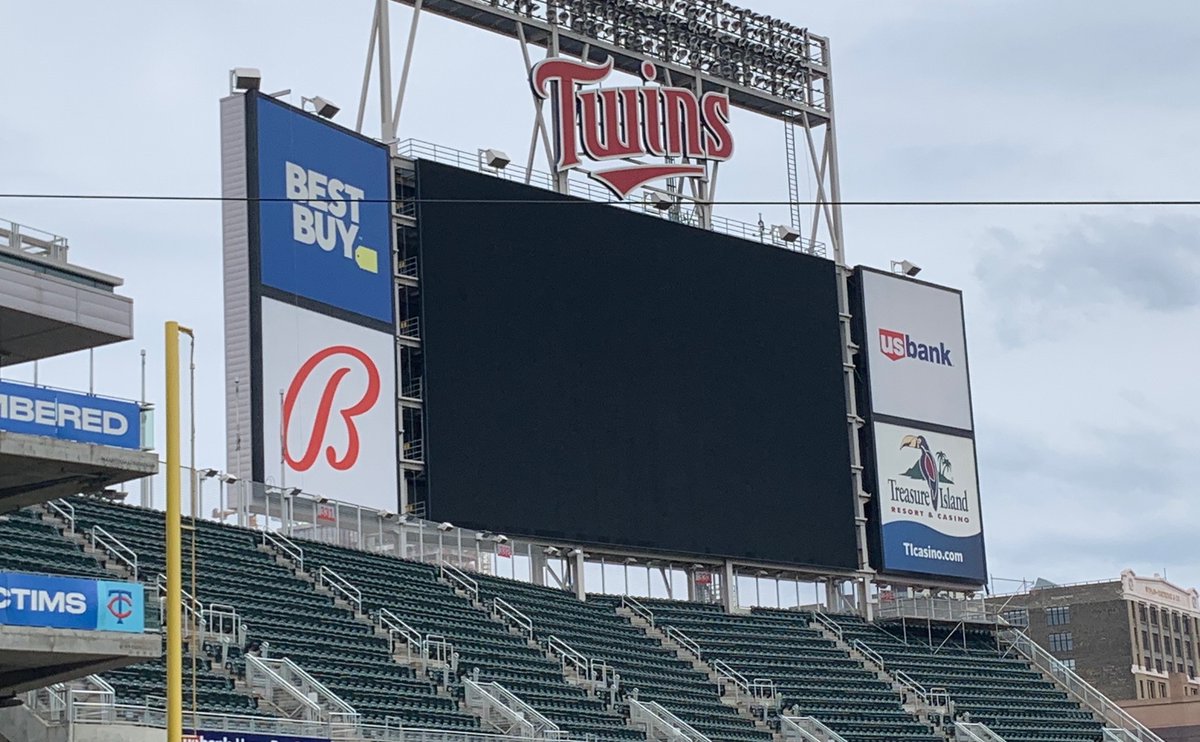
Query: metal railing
pixel 54 704
pixel 332 707
pixel 284 544
pixel 973 731
pixel 341 586
pixel 410 328
pixel 638 608
pixel 64 510
pixel 807 729
pixel 974 611
pixel 569 656
pixel 867 651
pixel 284 697
pixel 683 640
pixel 496 704
pixel 414 450
pixel 759 691
pixel 411 388
pixel 508 613
pixel 407 267
pixel 661 725
pixel 398 627
pixel 579 186
pixel 829 623
pixel 25 239
pixel 935 699
pixel 115 548
pixel 1076 686
pixel 1115 734
pixel 460 580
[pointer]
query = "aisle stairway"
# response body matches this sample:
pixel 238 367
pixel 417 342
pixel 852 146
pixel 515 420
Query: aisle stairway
pixel 1014 700
pixel 814 676
pixel 643 663
pixel 487 649
pixel 284 614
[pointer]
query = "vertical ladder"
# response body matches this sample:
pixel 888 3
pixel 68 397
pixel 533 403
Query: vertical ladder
pixel 793 172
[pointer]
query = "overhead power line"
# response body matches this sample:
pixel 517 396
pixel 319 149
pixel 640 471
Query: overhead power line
pixel 578 201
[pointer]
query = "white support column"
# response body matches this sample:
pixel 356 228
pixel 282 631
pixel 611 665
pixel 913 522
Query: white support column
pixel 578 580
pixel 728 586
pixel 366 83
pixel 408 55
pixel 385 70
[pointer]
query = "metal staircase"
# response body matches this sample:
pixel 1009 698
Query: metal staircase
pixel 294 694
pixel 505 713
pixel 659 724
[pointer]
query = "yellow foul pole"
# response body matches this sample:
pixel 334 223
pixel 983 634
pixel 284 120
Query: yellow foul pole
pixel 174 597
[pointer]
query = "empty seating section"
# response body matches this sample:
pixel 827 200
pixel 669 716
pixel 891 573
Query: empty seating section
pixel 644 665
pixel 30 544
pixel 487 649
pixel 813 676
pixel 1003 692
pixel 284 615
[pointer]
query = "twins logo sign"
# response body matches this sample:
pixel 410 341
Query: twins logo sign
pixel 618 123
pixel 120 604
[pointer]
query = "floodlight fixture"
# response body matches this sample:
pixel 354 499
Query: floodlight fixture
pixel 244 78
pixel 905 268
pixel 229 479
pixel 660 202
pixel 500 538
pixel 445 526
pixel 495 158
pixel 576 553
pixel 209 473
pixel 323 107
pixel 784 233
pixel 551 551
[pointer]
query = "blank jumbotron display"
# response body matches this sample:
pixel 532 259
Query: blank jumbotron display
pixel 605 377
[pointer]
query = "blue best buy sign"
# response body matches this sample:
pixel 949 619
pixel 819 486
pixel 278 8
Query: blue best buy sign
pixel 324 216
pixel 71 603
pixel 69 416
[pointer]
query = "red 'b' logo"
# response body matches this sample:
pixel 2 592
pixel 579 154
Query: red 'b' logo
pixel 891 344
pixel 316 437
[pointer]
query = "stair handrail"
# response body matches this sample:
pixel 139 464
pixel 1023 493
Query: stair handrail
pixel 508 612
pixel 1116 734
pixel 192 608
pixel 638 608
pixel 216 616
pixel 340 585
pixel 869 652
pixel 463 580
pixel 974 731
pixel 396 626
pixel 342 708
pixel 65 510
pixel 569 655
pixel 261 676
pixel 1076 686
pixel 438 648
pixel 808 728
pixel 115 547
pixel 830 624
pixel 683 640
pixel 655 718
pixel 540 727
pixel 937 698
pixel 289 547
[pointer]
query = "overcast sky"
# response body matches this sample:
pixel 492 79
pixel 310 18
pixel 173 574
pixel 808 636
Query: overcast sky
pixel 1082 322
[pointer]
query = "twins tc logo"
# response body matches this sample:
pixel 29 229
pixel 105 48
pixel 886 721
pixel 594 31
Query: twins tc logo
pixel 899 345
pixel 120 604
pixel 325 213
pixel 342 358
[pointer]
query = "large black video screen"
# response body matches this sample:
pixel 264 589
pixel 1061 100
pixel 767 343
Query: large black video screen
pixel 597 376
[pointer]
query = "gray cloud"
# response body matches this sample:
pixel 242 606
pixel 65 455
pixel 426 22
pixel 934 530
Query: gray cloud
pixel 1094 263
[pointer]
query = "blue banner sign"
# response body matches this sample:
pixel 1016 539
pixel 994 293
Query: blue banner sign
pixel 324 219
pixel 204 736
pixel 69 416
pixel 71 603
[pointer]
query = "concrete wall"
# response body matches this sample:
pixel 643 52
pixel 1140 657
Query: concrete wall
pixel 118 733
pixel 1174 721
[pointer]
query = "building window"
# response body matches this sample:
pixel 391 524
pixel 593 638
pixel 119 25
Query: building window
pixel 1016 616
pixel 1187 626
pixel 1146 663
pixel 1187 648
pixel 1141 688
pixel 1061 642
pixel 1158 665
pixel 1058 615
pixel 1157 644
pixel 1178 648
pixel 1150 685
pixel 1145 640
pixel 1153 616
pixel 1175 621
pixel 1192 671
pixel 1179 668
pixel 1162 690
pixel 1069 663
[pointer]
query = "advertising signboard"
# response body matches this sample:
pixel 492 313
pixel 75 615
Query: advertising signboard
pixel 928 495
pixel 71 603
pixel 329 406
pixel 916 350
pixel 69 416
pixel 229 736
pixel 324 216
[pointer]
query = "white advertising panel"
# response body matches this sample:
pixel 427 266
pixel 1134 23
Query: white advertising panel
pixel 329 406
pixel 928 495
pixel 916 351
